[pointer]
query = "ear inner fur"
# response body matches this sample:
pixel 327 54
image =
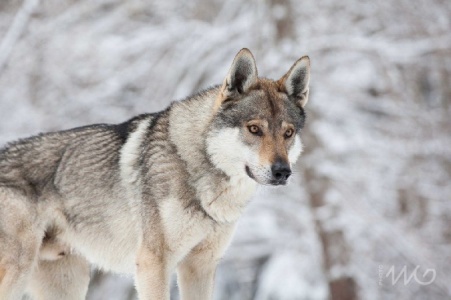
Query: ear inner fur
pixel 240 78
pixel 296 81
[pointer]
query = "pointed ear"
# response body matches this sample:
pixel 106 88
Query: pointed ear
pixel 242 74
pixel 296 81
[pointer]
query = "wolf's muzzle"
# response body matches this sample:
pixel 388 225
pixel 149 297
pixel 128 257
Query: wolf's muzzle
pixel 280 173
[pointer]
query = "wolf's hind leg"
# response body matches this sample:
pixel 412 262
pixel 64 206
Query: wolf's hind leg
pixel 65 278
pixel 19 242
pixel 15 270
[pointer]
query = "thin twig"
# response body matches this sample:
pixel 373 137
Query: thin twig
pixel 15 31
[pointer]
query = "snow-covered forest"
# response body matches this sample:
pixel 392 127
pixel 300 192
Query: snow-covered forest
pixel 372 189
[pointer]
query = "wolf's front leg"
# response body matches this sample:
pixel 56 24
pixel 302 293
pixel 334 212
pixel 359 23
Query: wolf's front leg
pixel 196 273
pixel 152 275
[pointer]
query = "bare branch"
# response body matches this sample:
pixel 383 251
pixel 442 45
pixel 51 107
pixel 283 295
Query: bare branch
pixel 15 31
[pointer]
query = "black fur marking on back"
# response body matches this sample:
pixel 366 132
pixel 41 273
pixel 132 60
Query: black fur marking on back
pixel 124 129
pixel 156 117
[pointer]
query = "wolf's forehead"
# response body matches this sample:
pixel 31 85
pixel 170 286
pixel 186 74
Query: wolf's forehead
pixel 270 99
pixel 266 100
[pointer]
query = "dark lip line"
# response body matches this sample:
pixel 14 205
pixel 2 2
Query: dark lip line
pixel 249 173
pixel 276 183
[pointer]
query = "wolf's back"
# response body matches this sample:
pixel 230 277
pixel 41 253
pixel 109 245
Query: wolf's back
pixel 49 159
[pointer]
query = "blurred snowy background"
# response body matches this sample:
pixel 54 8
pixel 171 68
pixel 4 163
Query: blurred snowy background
pixel 372 190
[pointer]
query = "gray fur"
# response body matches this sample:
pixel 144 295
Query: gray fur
pixel 146 196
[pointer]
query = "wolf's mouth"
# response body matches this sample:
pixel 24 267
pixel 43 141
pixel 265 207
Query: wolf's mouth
pixel 249 173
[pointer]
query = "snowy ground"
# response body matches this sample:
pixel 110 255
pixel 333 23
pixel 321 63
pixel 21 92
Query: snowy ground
pixel 372 190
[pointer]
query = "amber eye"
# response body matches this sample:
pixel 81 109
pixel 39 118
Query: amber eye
pixel 254 129
pixel 289 133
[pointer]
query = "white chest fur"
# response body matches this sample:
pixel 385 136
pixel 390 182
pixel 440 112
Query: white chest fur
pixel 185 229
pixel 226 202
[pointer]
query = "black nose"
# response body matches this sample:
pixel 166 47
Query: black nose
pixel 280 171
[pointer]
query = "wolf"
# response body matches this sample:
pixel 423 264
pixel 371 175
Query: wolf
pixel 159 193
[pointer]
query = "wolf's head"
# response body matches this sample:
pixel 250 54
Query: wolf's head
pixel 257 122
